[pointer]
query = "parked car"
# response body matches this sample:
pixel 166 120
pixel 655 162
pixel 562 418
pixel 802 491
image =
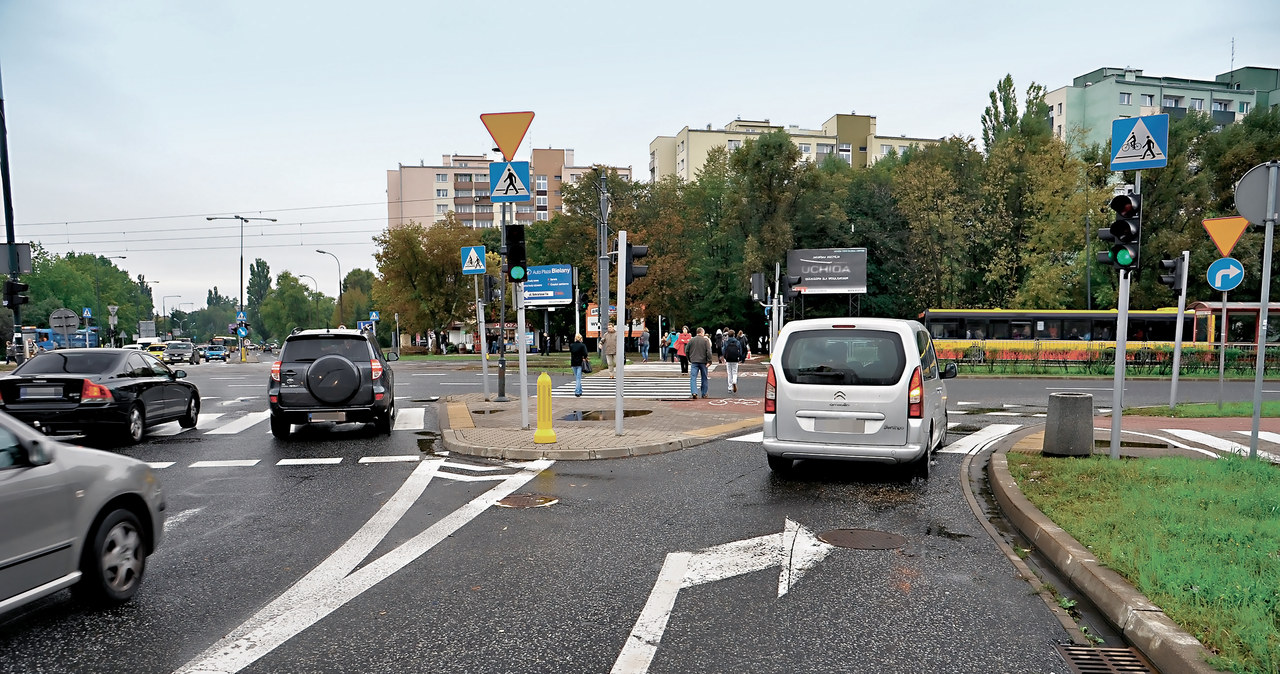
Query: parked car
pixel 215 352
pixel 113 392
pixel 75 517
pixel 857 389
pixel 331 375
pixel 179 352
pixel 157 349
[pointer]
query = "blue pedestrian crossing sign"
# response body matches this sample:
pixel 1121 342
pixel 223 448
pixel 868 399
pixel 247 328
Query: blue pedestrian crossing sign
pixel 508 181
pixel 1140 143
pixel 87 313
pixel 1225 274
pixel 241 316
pixel 473 259
pixel 373 316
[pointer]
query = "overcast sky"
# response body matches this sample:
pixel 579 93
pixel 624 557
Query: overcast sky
pixel 130 122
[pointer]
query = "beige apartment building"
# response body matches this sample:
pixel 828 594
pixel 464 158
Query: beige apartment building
pixel 850 137
pixel 460 183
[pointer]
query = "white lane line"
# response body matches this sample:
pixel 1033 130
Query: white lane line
pixel 389 459
pixel 411 419
pixel 458 477
pixel 952 424
pixel 758 436
pixel 459 383
pixel 234 463
pixel 978 440
pixel 429 374
pixel 206 419
pixel 967 403
pixel 178 518
pixel 241 424
pixel 1220 444
pixel 318 461
pixel 1077 388
pixel 160 464
pixel 203 398
pixel 329 586
pixel 957 411
pixel 1003 414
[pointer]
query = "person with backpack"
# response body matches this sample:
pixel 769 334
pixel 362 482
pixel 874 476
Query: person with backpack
pixel 734 353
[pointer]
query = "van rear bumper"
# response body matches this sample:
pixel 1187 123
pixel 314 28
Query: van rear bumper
pixel 872 453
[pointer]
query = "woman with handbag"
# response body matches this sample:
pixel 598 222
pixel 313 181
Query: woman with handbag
pixel 581 362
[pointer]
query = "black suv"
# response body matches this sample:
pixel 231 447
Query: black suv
pixel 331 375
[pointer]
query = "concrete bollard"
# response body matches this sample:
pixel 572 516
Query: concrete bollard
pixel 1068 427
pixel 544 434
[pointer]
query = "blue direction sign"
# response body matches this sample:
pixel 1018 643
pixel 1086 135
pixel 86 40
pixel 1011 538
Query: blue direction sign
pixel 473 259
pixel 549 285
pixel 241 316
pixel 1140 143
pixel 364 326
pixel 509 181
pixel 1225 274
pixel 242 331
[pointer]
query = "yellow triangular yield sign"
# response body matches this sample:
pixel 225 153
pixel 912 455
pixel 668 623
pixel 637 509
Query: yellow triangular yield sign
pixel 507 129
pixel 1225 232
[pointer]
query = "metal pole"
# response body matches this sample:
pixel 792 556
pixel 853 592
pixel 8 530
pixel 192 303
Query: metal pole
pixel 602 264
pixel 517 298
pixel 484 350
pixel 1264 308
pixel 1088 260
pixel 1177 332
pixel 502 317
pixel 1222 350
pixel 577 327
pixel 1122 333
pixel 620 353
pixel 8 228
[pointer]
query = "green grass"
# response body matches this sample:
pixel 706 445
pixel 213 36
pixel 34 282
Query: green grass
pixel 1200 538
pixel 1270 408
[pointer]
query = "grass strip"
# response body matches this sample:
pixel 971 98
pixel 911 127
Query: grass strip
pixel 1200 538
pixel 1270 408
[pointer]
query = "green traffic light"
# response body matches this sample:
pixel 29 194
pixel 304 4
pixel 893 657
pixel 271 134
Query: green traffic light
pixel 517 272
pixel 1124 257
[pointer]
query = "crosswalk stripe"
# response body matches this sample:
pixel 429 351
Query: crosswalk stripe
pixel 166 430
pixel 160 464
pixel 247 421
pixel 234 463
pixel 974 442
pixel 758 436
pixel 411 419
pixel 1220 444
pixel 317 461
pixel 389 459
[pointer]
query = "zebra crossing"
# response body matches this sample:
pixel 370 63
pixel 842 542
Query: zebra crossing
pixel 458 471
pixel 218 423
pixel 633 387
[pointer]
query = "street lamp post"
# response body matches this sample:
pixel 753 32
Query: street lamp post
pixel 335 259
pixel 164 311
pixel 314 285
pixel 242 220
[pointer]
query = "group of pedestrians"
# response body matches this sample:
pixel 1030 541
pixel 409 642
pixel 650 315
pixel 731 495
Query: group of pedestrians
pixel 694 351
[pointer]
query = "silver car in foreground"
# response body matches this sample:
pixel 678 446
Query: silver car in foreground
pixel 859 389
pixel 72 517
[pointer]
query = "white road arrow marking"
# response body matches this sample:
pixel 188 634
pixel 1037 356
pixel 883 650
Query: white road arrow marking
pixel 1230 272
pixel 795 549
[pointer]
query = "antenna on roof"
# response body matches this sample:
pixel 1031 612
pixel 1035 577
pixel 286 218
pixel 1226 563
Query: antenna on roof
pixel 1233 65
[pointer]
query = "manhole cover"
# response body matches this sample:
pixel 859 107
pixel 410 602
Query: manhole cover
pixel 527 501
pixel 862 539
pixel 1087 660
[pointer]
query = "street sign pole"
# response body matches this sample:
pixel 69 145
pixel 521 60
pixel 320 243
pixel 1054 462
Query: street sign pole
pixel 484 351
pixel 619 353
pixel 1177 332
pixel 1264 306
pixel 577 328
pixel 1222 350
pixel 1122 332
pixel 602 264
pixel 502 316
pixel 522 348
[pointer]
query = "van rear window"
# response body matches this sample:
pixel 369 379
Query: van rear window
pixel 844 358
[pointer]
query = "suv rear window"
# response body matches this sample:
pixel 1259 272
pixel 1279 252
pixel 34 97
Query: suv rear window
pixel 311 348
pixel 844 357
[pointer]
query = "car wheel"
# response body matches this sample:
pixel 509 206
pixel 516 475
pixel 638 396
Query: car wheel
pixel 192 415
pixel 136 427
pixel 114 559
pixel 387 421
pixel 920 467
pixel 780 464
pixel 280 428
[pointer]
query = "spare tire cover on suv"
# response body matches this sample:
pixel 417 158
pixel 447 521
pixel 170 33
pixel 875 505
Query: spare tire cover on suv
pixel 333 379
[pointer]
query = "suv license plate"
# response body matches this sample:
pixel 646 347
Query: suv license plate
pixel 328 416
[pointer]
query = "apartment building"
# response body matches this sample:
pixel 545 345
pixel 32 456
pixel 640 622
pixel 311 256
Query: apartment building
pixel 1095 99
pixel 460 183
pixel 851 137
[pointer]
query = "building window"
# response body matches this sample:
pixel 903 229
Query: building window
pixel 1126 98
pixel 543 215
pixel 1059 130
pixel 541 182
pixel 524 209
pixel 1172 102
pixel 542 201
pixel 575 177
pixel 1059 108
pixel 734 144
pixel 1147 99
pixel 1223 106
pixel 463 178
pixel 441 209
pixel 1196 104
pixel 902 149
pixel 465 208
pixel 462 193
pixel 557 178
pixel 481 177
pixel 886 149
pixel 804 148
pixel 484 208
pixel 442 177
pixel 442 194
pixel 826 148
pixel 1244 108
pixel 680 147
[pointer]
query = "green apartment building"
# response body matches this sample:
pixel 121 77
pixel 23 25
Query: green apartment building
pixel 1095 99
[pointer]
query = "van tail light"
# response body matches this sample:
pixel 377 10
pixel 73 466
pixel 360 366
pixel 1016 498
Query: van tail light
pixel 915 396
pixel 770 393
pixel 275 371
pixel 377 368
pixel 92 391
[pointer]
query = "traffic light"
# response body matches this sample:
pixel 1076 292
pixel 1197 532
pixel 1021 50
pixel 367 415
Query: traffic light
pixel 517 266
pixel 789 289
pixel 1173 277
pixel 1125 234
pixel 13 290
pixel 490 289
pixel 635 271
pixel 758 290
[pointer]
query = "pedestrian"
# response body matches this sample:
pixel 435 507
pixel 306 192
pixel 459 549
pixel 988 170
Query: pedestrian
pixel 698 352
pixel 733 352
pixel 672 338
pixel 577 354
pixel 643 343
pixel 662 347
pixel 610 349
pixel 681 343
pixel 746 345
pixel 715 344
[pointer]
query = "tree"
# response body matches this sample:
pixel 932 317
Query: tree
pixel 259 286
pixel 287 306
pixel 419 273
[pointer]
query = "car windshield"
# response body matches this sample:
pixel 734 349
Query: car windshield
pixel 311 348
pixel 844 357
pixel 66 363
pixel 178 345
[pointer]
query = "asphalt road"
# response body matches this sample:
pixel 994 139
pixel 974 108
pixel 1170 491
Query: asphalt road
pixel 368 553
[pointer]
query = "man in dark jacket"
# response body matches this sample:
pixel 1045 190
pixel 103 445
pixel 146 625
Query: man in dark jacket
pixel 698 351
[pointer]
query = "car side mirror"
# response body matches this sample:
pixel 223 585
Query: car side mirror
pixel 392 355
pixel 950 371
pixel 37 454
pixel 179 374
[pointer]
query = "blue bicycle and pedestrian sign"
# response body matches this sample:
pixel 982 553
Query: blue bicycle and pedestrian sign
pixel 1225 274
pixel 1140 143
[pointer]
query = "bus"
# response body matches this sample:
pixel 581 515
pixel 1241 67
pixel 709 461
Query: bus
pixel 79 339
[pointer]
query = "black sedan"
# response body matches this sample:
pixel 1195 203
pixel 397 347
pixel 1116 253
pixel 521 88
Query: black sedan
pixel 112 392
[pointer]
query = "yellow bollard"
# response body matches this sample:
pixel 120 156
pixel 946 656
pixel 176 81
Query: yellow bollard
pixel 545 434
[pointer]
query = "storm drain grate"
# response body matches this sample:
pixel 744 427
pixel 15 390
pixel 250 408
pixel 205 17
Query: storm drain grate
pixel 1086 660
pixel 862 539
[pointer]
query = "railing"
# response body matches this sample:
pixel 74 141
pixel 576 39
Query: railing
pixel 1060 357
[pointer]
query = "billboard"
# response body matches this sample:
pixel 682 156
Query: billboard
pixel 593 319
pixel 829 271
pixel 549 285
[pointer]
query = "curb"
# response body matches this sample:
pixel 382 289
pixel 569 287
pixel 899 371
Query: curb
pixel 1162 641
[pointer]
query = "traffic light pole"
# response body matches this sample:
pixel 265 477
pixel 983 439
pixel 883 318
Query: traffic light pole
pixel 502 318
pixel 602 265
pixel 8 227
pixel 1177 332
pixel 517 299
pixel 484 349
pixel 620 351
pixel 1122 332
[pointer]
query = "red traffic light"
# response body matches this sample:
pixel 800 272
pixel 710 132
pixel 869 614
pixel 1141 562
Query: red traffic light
pixel 1125 206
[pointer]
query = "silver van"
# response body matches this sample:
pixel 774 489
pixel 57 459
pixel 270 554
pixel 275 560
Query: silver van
pixel 855 389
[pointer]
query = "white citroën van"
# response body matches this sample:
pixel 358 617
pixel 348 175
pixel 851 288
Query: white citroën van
pixel 855 389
